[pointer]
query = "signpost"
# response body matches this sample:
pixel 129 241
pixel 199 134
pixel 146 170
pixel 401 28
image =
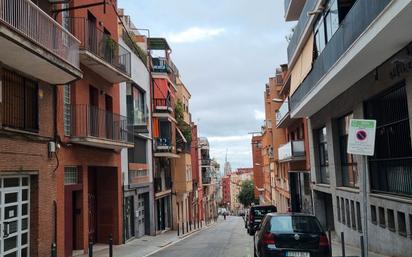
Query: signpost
pixel 361 141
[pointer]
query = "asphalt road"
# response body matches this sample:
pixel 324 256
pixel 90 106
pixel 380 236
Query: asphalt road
pixel 226 239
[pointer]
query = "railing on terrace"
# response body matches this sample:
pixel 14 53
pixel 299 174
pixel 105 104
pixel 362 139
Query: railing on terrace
pixel 300 27
pixel 90 121
pixel 163 144
pixel 162 64
pixel 162 102
pixel 291 150
pixel 282 112
pixel 28 19
pixel 100 43
pixel 138 117
pixel 361 15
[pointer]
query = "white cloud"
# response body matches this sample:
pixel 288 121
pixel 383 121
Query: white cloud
pixel 194 34
pixel 259 115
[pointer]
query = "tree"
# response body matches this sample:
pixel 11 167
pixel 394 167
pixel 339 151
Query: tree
pixel 246 194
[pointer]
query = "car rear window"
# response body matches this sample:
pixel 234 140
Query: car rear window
pixel 295 224
pixel 262 211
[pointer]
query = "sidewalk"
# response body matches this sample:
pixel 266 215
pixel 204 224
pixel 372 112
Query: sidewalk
pixel 350 251
pixel 145 245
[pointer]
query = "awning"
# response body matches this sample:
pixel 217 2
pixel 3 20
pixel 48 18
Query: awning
pixel 157 43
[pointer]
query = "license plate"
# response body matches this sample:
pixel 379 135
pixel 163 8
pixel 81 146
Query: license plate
pixel 297 254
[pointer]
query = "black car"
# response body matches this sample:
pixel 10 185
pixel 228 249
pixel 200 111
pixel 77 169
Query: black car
pixel 291 235
pixel 256 214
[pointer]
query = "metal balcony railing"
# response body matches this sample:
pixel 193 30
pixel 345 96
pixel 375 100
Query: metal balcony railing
pixel 163 65
pixel 205 162
pixel 31 21
pixel 90 121
pixel 162 103
pixel 100 43
pixel 138 117
pixel 291 150
pixel 361 15
pixel 282 112
pixel 300 27
pixel 163 144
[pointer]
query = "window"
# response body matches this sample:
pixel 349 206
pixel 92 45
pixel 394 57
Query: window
pixel 136 105
pixel 71 175
pixel 402 224
pixel 382 221
pixel 391 166
pixel 323 156
pixel 349 169
pixel 342 201
pixel 373 215
pixel 352 213
pixel 331 19
pixel 138 154
pixel 347 213
pixel 391 220
pixel 358 215
pixel 67 112
pixel 338 208
pixel 20 102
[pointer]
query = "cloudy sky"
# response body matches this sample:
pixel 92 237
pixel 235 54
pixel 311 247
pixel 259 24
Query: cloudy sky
pixel 225 51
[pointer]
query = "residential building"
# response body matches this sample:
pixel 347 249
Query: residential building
pixel 293 161
pixel 236 179
pixel 226 191
pixel 275 180
pixel 137 162
pixel 258 176
pixel 197 202
pixel 164 88
pixel 37 54
pixel 182 173
pixel 91 133
pixel 352 59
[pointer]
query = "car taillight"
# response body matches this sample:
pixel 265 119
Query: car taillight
pixel 269 238
pixel 323 241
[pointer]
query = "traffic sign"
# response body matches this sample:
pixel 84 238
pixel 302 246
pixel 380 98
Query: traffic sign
pixel 361 139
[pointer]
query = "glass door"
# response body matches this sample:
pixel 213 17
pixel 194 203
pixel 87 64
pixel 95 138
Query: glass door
pixel 14 222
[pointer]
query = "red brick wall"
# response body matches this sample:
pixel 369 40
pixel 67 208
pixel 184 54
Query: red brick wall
pixel 258 177
pixel 21 153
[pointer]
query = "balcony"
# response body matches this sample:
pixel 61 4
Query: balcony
pixel 100 52
pixel 370 27
pixel 293 8
pixel 292 151
pixel 164 68
pixel 138 119
pixel 92 126
pixel 35 44
pixel 301 27
pixel 163 105
pixel 283 119
pixel 206 176
pixel 163 147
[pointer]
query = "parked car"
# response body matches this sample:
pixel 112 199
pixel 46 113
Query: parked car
pixel 256 214
pixel 289 234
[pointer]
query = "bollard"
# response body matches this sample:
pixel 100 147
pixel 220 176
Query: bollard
pixel 190 224
pixel 183 228
pixel 343 244
pixel 187 227
pixel 178 229
pixel 90 248
pixel 110 245
pixel 330 240
pixel 362 244
pixel 53 250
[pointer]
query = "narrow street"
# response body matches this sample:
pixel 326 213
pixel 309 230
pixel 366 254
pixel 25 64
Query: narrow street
pixel 227 238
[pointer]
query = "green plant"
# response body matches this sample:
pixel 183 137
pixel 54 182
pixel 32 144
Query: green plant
pixel 179 115
pixel 246 194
